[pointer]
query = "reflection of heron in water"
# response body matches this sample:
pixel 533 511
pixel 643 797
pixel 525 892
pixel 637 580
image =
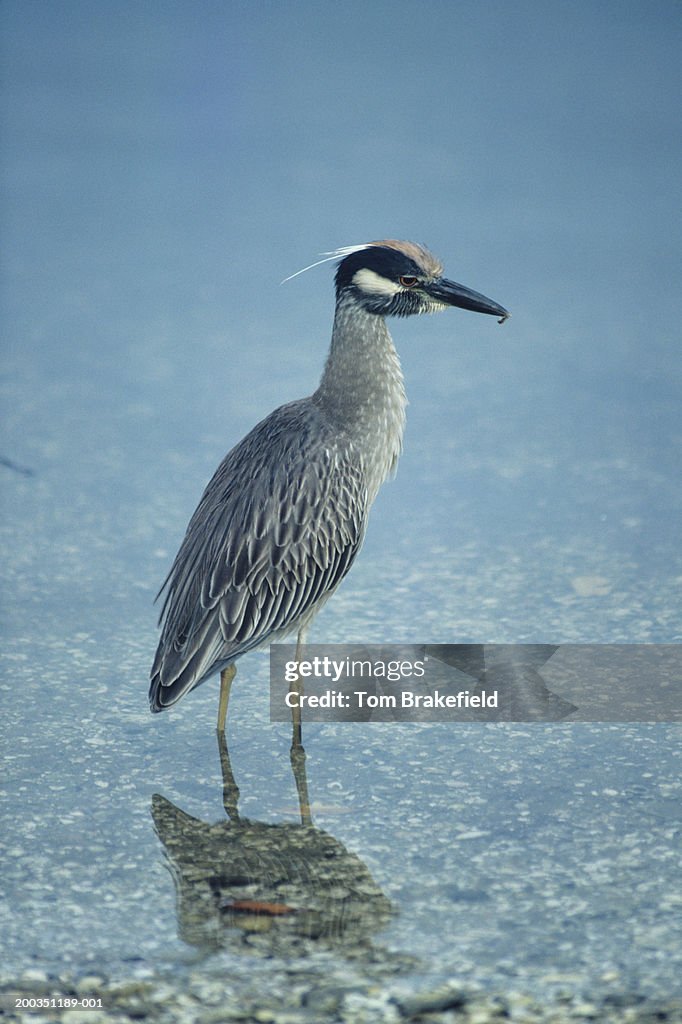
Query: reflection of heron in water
pixel 287 882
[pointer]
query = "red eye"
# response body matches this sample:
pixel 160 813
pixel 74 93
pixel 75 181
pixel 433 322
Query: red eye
pixel 408 282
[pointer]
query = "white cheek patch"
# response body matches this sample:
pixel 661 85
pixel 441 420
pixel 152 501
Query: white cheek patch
pixel 374 284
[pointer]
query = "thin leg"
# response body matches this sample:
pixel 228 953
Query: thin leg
pixel 297 687
pixel 226 677
pixel 297 756
pixel 230 787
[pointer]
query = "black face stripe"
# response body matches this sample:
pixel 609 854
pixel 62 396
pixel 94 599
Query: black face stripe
pixel 388 263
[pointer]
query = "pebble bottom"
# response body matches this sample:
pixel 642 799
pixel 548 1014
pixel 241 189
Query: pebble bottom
pixel 293 998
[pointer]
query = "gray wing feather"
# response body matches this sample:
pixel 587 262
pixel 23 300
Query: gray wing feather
pixel 275 532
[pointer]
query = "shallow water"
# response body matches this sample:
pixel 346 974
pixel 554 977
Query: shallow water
pixel 538 853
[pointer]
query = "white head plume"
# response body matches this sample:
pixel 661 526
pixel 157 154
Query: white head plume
pixel 336 254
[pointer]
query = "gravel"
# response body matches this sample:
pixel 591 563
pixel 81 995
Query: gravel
pixel 303 997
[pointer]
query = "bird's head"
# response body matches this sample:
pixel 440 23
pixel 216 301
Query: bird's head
pixel 392 278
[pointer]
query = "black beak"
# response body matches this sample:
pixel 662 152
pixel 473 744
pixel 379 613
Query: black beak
pixel 454 294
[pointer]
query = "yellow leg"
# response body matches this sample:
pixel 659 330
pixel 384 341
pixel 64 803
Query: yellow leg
pixel 226 677
pixel 297 757
pixel 230 787
pixel 297 687
pixel 297 752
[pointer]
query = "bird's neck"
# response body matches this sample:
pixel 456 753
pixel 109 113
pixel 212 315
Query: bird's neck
pixel 362 389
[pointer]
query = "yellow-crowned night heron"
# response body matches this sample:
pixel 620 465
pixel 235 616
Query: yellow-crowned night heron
pixel 284 516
